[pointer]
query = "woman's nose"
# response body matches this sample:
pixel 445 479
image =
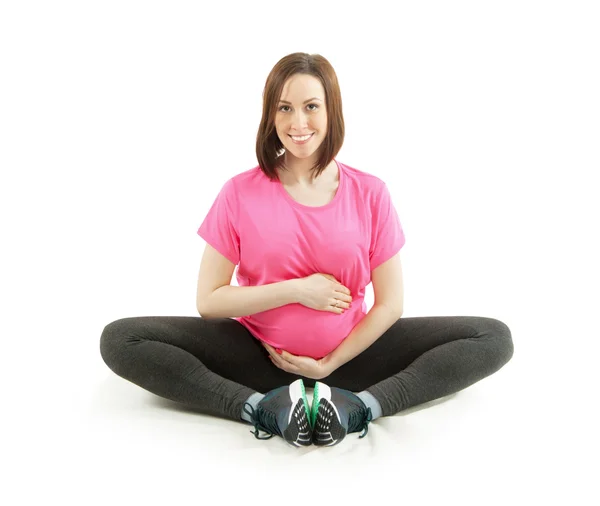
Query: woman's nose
pixel 299 121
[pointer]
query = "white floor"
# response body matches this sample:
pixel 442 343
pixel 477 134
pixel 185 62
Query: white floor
pixel 87 436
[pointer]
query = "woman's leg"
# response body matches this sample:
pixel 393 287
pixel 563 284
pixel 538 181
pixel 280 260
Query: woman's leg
pixel 424 358
pixel 211 364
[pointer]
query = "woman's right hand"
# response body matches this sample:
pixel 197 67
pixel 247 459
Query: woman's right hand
pixel 322 291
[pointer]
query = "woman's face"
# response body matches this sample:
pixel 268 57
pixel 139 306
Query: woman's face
pixel 301 111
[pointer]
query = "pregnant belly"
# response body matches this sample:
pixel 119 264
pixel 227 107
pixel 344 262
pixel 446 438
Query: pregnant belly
pixel 303 331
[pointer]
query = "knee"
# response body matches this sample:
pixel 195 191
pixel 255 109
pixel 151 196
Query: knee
pixel 500 334
pixel 113 341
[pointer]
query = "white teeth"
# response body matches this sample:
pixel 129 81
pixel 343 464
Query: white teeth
pixel 300 138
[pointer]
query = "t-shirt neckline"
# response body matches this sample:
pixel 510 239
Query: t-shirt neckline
pixel 336 197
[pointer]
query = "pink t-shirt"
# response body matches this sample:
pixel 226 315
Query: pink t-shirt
pixel 255 223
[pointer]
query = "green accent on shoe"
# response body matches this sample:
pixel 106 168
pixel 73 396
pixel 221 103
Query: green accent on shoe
pixel 283 411
pixel 339 412
pixel 315 405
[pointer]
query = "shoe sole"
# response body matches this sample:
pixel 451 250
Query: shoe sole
pixel 298 431
pixel 327 427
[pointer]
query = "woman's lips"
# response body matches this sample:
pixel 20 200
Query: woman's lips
pixel 302 142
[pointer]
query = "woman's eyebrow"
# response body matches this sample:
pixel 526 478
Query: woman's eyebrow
pixel 314 98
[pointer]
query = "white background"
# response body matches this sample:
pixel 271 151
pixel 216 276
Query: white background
pixel 121 120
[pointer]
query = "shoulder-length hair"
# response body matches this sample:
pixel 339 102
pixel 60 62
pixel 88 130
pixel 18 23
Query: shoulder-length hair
pixel 268 146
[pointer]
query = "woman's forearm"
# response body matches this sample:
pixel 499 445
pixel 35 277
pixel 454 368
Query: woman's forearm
pixel 376 322
pixel 232 301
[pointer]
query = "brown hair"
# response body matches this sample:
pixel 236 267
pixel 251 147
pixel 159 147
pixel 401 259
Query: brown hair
pixel 268 144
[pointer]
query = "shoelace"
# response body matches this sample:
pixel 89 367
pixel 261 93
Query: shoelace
pixel 263 420
pixel 359 420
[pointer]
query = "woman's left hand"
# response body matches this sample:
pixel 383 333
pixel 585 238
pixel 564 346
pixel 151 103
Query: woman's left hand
pixel 307 367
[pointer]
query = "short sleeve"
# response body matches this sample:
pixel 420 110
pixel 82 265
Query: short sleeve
pixel 220 226
pixel 387 236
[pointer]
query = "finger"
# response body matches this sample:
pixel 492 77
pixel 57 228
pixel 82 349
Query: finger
pixel 294 361
pixel 286 366
pixel 275 357
pixel 280 359
pixel 283 365
pixel 336 308
pixel 270 352
pixel 345 295
pixel 288 357
pixel 274 360
pixel 270 349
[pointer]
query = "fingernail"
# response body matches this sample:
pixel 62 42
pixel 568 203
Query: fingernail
pixel 278 350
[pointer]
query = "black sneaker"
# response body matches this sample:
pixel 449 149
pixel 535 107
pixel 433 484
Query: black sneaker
pixel 336 412
pixel 283 411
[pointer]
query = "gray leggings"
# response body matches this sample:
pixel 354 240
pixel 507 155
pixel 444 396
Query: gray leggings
pixel 214 365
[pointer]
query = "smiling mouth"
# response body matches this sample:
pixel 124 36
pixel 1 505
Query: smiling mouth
pixel 303 141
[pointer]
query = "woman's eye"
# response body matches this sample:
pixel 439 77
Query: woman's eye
pixel 315 105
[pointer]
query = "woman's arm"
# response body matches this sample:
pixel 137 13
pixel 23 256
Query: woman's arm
pixel 232 301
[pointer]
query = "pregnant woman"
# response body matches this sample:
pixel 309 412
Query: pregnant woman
pixel 308 234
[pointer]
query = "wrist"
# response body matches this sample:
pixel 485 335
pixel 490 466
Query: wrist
pixel 328 364
pixel 294 291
